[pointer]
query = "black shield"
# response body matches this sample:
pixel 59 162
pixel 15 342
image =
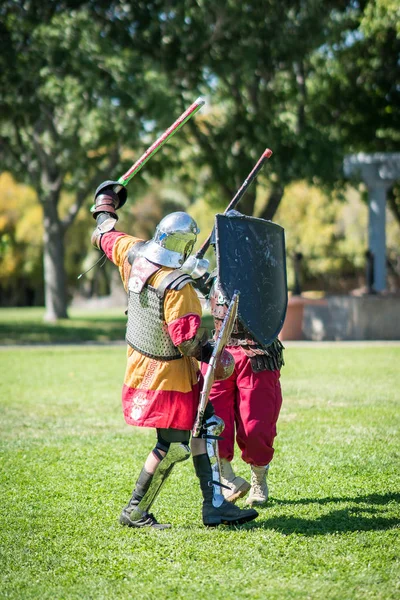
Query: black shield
pixel 251 259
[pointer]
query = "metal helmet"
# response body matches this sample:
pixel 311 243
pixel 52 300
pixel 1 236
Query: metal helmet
pixel 173 240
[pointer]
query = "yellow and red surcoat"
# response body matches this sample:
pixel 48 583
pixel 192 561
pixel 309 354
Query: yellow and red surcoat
pixel 163 394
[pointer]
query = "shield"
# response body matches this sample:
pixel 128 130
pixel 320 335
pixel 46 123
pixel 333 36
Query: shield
pixel 251 259
pixel 209 377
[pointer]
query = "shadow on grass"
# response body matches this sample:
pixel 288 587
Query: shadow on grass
pixel 341 520
pixel 354 518
pixel 380 499
pixel 31 333
pixel 75 330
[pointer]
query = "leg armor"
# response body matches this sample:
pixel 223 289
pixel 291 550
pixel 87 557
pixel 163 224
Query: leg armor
pixel 212 428
pixel 151 485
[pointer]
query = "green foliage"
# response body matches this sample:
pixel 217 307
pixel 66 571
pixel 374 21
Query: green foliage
pixel 69 462
pixel 83 98
pixel 354 86
pixel 71 98
pixel 305 78
pixel 85 87
pixel 330 231
pixel 381 15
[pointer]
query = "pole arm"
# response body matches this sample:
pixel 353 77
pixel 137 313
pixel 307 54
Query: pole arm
pixel 239 195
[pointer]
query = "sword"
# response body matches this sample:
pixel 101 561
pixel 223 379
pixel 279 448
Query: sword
pixel 167 135
pixel 238 196
pixel 155 146
pixel 209 378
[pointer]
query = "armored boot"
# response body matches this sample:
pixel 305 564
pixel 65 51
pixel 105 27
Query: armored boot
pixel 236 487
pixel 131 514
pixel 259 487
pixel 216 510
pixel 148 486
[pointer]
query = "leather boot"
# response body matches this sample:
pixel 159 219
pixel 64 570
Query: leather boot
pixel 259 487
pixel 236 487
pixel 216 510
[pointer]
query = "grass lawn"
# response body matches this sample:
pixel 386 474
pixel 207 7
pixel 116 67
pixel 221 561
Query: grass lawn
pixel 26 326
pixel 330 530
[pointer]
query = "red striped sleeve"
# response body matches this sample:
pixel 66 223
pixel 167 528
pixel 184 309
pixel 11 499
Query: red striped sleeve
pixel 184 328
pixel 107 242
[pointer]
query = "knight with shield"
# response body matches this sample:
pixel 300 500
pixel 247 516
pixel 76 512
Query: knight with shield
pixel 250 255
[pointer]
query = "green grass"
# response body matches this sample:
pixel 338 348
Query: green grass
pixel 69 461
pixel 26 326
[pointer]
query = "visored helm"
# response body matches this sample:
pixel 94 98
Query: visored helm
pixel 173 240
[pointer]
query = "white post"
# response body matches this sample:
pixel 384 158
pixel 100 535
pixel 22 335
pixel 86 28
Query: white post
pixel 377 233
pixel 379 172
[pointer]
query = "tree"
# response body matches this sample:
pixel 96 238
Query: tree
pixel 274 72
pixel 80 81
pixel 362 60
pixel 70 98
pixel 253 59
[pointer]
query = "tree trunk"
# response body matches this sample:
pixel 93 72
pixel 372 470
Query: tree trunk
pixel 247 202
pixel 394 202
pixel 53 260
pixel 272 205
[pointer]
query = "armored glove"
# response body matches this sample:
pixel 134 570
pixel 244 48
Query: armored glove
pixel 107 200
pixel 203 284
pixel 201 349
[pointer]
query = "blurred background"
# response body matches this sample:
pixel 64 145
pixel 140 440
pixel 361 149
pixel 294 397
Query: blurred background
pixel 86 87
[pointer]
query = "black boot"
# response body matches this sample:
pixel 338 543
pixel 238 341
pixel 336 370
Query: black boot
pixel 216 510
pixel 130 515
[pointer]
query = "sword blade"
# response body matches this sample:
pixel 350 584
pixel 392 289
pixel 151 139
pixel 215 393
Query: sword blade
pixel 209 377
pixel 167 135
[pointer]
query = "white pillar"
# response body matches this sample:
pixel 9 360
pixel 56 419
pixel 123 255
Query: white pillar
pixel 379 172
pixel 377 233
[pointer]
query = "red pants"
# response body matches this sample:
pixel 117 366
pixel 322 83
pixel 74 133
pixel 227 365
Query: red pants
pixel 250 403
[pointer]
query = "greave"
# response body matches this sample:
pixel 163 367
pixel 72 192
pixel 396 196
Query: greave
pixel 142 485
pixel 152 484
pixel 214 426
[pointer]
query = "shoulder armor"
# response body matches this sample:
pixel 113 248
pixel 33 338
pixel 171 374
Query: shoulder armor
pixel 141 271
pixel 133 252
pixel 174 281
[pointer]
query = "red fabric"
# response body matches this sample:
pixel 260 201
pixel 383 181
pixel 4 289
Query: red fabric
pixel 250 403
pixel 107 242
pixel 184 328
pixel 161 409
